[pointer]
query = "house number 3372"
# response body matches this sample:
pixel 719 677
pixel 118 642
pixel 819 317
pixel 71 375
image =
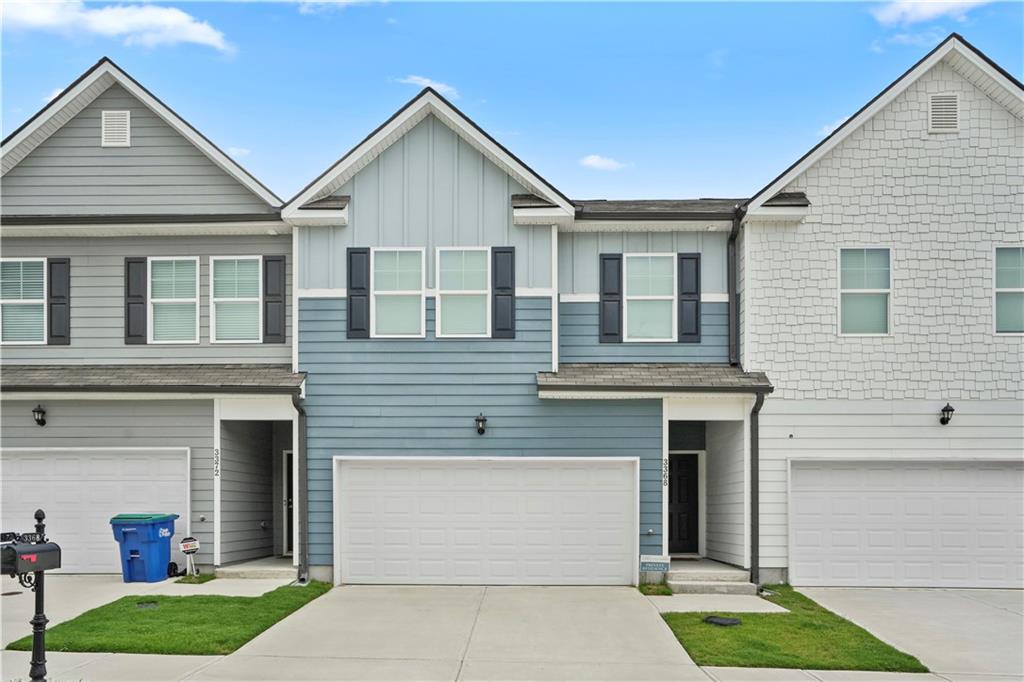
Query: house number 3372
pixel 216 462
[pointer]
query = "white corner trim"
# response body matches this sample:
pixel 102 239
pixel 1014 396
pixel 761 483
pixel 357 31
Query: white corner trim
pixel 294 313
pixel 427 103
pixel 893 91
pixel 217 463
pixel 554 298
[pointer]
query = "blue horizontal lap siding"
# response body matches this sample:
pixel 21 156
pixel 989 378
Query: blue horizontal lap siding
pixel 414 397
pixel 578 339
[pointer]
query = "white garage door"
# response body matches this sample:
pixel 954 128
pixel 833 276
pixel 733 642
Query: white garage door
pixel 81 489
pixel 920 524
pixel 467 521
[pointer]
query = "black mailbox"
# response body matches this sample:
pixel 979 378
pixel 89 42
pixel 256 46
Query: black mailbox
pixel 23 557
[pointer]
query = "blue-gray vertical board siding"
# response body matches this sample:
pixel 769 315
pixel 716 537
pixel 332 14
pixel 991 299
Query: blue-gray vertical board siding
pixel 578 255
pixel 578 339
pixel 419 397
pixel 428 189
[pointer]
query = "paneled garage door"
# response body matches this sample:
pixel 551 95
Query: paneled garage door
pixel 81 489
pixel 513 521
pixel 920 524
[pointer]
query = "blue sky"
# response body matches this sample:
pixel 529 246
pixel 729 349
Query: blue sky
pixel 604 100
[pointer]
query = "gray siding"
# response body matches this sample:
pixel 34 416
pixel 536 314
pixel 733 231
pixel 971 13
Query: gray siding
pixel 578 339
pixel 97 299
pixel 726 501
pixel 428 189
pixel 246 490
pixel 282 442
pixel 578 255
pixel 161 172
pixel 411 397
pixel 139 423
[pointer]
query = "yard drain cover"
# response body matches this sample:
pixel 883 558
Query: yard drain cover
pixel 146 604
pixel 719 620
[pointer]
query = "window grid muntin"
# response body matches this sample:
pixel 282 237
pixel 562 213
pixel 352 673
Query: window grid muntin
pixel 878 291
pixel 214 299
pixel 441 293
pixel 374 294
pixel 41 301
pixel 996 289
pixel 151 303
pixel 673 297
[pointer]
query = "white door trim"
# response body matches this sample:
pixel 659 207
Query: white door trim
pixel 285 454
pixel 335 487
pixel 702 499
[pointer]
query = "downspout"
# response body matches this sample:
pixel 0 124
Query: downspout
pixel 755 493
pixel 732 275
pixel 301 502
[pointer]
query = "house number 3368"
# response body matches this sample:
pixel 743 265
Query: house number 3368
pixel 664 472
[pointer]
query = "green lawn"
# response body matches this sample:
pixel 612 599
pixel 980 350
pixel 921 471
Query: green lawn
pixel 154 624
pixel 196 579
pixel 809 637
pixel 655 589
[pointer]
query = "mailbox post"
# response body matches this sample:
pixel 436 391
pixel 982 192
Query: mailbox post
pixel 28 556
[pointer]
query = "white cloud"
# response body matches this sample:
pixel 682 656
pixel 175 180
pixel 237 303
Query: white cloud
pixel 907 12
pixel 929 38
pixel 318 6
pixel 53 94
pixel 423 82
pixel 602 163
pixel 827 130
pixel 145 25
pixel 239 152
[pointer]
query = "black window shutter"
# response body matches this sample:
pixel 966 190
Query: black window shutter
pixel 135 286
pixel 610 311
pixel 58 301
pixel 358 293
pixel 503 292
pixel 273 299
pixel 689 297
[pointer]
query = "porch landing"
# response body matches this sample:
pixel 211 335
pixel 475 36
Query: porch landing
pixel 706 576
pixel 266 567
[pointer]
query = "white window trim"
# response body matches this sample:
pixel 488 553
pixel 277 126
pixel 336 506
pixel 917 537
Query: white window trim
pixel 103 127
pixel 674 298
pixel 421 292
pixel 840 291
pixel 247 299
pixel 996 290
pixel 149 300
pixel 29 300
pixel 468 292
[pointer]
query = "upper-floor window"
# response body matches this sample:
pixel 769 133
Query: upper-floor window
pixel 650 297
pixel 23 301
pixel 463 292
pixel 865 286
pixel 173 300
pixel 397 292
pixel 235 299
pixel 1009 290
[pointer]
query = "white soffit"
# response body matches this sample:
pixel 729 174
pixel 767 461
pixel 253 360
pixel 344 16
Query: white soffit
pixel 84 91
pixel 963 58
pixel 426 103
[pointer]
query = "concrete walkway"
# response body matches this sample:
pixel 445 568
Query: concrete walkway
pixel 959 634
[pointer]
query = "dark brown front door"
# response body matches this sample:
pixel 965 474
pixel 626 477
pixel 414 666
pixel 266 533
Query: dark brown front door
pixel 682 504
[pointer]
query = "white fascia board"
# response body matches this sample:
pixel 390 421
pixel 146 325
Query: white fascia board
pixel 107 68
pixel 648 226
pixel 778 214
pixel 305 217
pixel 257 227
pixel 542 216
pixel 425 104
pixel 894 90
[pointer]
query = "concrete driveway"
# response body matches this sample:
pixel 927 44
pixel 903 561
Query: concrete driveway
pixel 959 634
pixel 465 633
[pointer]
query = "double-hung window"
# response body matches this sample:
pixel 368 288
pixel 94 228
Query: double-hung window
pixel 23 301
pixel 235 299
pixel 1009 290
pixel 650 297
pixel 865 287
pixel 173 300
pixel 463 292
pixel 396 287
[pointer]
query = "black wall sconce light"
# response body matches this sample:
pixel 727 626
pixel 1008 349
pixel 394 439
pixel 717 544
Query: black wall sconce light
pixel 947 414
pixel 39 415
pixel 481 423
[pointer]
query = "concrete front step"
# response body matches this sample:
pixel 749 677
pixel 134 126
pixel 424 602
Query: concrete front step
pixel 255 572
pixel 711 587
pixel 709 575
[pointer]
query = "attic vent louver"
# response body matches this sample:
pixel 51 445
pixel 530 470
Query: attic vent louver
pixel 116 129
pixel 943 113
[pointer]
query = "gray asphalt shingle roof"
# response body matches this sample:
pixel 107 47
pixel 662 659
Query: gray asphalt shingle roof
pixel 597 209
pixel 331 203
pixel 152 378
pixel 653 376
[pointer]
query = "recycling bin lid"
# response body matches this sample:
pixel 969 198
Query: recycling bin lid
pixel 142 518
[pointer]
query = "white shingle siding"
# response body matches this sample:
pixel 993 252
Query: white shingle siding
pixel 941 203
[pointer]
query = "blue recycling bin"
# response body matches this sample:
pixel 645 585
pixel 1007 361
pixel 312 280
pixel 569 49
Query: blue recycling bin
pixel 145 541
